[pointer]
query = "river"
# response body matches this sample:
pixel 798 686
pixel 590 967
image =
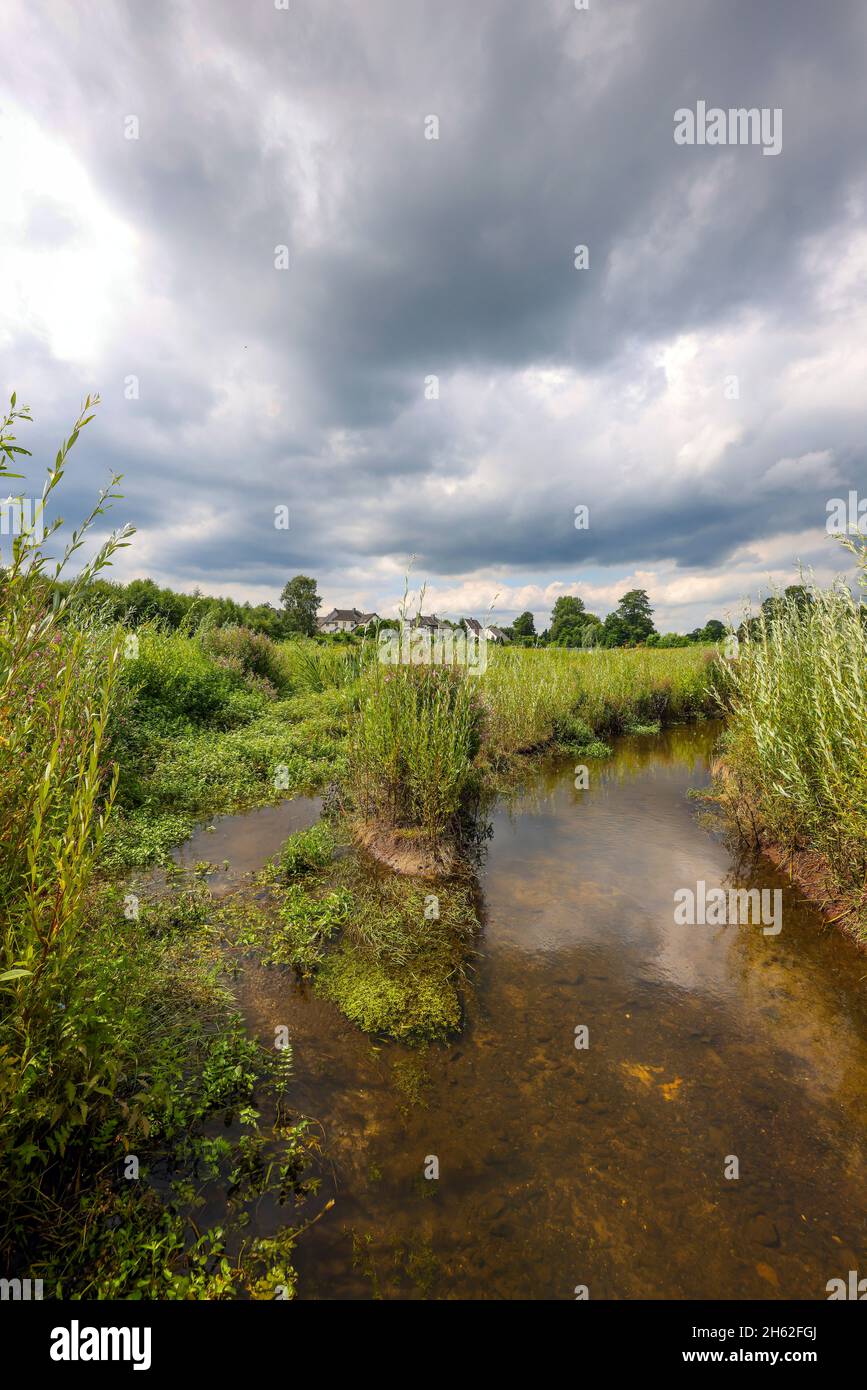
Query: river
pixel 602 1167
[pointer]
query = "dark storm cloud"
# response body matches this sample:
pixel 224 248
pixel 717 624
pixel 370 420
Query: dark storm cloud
pixel 451 257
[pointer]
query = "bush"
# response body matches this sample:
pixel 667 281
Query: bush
pixel 172 678
pixel 250 653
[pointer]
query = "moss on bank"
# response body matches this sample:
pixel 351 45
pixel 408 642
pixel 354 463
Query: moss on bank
pixel 389 951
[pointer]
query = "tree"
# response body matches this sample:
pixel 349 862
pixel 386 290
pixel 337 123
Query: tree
pixel 567 619
pixel 301 602
pixel 615 633
pixel 800 595
pixel 524 626
pixel 634 617
pixel 590 632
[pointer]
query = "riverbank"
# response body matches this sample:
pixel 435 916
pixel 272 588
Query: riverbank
pixel 792 773
pixel 842 906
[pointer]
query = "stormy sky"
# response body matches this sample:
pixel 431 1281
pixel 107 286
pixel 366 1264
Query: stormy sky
pixel 431 376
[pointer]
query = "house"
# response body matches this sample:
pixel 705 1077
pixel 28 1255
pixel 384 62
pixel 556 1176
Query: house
pixel 489 632
pixel 345 620
pixel 429 621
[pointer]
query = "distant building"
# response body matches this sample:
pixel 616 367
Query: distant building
pixel 345 620
pixel 429 621
pixel 496 634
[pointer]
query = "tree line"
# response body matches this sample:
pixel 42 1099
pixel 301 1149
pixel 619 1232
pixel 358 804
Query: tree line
pixel 142 600
pixel 629 625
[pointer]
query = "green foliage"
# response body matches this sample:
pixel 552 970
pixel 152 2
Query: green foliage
pixel 631 623
pixel 380 1001
pixel 308 923
pixel 254 654
pixel 57 681
pixel 173 681
pixel 141 601
pixel 532 697
pixel 301 604
pixel 568 620
pixel 398 970
pixel 796 742
pixel 307 849
pixel 524 625
pixel 416 737
pixel 314 667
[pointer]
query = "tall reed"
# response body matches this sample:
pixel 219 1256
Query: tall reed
pixel 418 732
pixel 796 744
pixel 57 680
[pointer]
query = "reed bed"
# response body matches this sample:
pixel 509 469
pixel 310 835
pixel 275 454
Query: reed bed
pixel 532 695
pixel 417 735
pixel 795 760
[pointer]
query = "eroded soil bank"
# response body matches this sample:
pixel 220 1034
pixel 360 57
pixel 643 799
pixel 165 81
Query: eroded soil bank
pixel 605 1166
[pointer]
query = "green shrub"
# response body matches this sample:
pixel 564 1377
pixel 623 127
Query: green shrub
pixel 251 653
pixel 307 849
pixel 308 923
pixel 171 679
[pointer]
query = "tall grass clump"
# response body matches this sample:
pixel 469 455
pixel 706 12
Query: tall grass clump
pixel 527 693
pixel 418 732
pixel 795 761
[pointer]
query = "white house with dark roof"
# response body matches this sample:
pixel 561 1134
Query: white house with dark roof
pixel 345 620
pixel 488 631
pixel 429 621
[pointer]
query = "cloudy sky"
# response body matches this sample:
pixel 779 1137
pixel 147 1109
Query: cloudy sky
pixel 699 386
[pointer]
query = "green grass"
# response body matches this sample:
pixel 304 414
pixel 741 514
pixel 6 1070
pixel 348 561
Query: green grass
pixel 217 723
pixel 307 850
pixel 414 744
pixel 118 1044
pixel 531 695
pixel 795 748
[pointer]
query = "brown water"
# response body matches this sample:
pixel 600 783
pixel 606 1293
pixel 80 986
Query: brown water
pixel 602 1167
pixel 245 841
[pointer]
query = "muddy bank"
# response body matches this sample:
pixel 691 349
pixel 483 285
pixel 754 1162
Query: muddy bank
pixel 809 870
